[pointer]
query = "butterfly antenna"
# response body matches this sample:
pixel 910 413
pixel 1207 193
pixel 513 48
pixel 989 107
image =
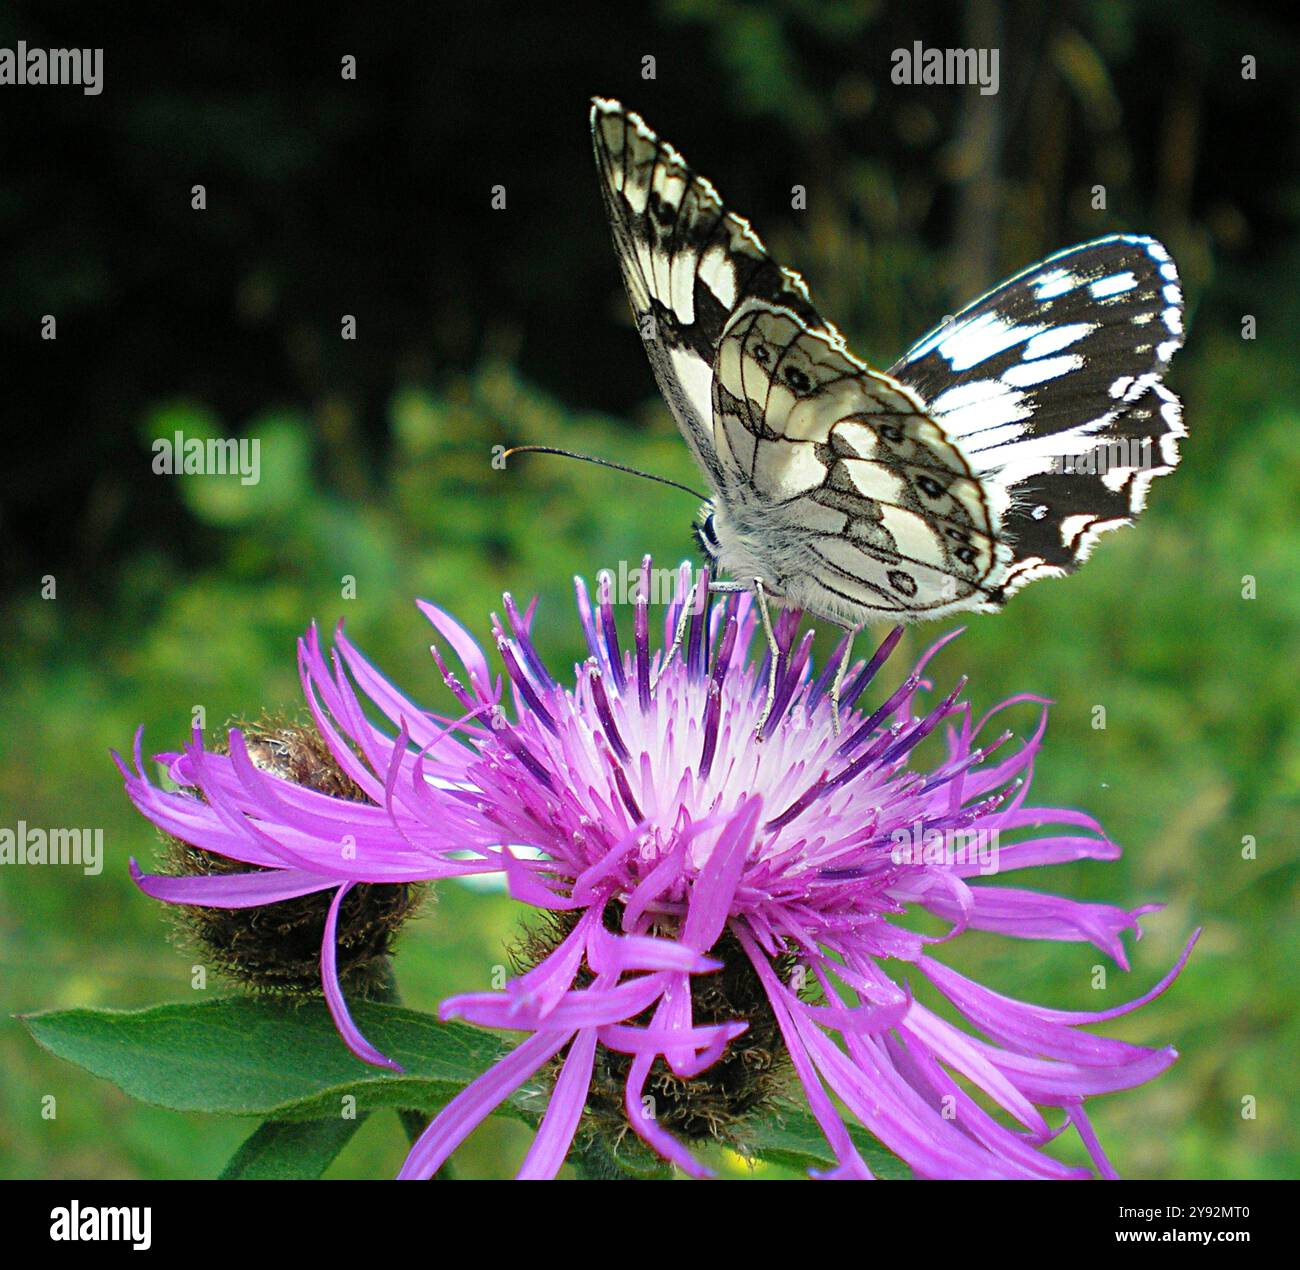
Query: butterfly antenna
pixel 618 467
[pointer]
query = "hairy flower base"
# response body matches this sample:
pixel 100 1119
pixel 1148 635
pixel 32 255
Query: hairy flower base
pixel 642 790
pixel 275 948
pixel 752 1074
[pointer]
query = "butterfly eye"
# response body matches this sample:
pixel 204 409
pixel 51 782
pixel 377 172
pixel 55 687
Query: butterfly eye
pixel 797 380
pixel 708 535
pixel 761 355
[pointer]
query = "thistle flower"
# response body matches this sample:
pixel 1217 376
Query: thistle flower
pixel 721 910
pixel 275 948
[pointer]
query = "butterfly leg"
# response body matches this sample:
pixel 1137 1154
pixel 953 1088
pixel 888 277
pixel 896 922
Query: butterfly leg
pixel 679 636
pixel 840 672
pixel 774 656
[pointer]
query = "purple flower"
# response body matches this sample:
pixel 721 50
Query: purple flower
pixel 722 910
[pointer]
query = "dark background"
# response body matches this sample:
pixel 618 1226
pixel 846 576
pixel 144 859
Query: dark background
pixel 372 198
pixel 369 197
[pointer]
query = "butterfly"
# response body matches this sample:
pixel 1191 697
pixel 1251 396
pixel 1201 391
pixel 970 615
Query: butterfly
pixel 995 451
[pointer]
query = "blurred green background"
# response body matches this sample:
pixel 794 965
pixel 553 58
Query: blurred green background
pixel 478 327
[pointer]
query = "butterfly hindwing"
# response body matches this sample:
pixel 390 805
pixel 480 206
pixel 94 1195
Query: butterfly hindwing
pixel 1051 385
pixel 844 472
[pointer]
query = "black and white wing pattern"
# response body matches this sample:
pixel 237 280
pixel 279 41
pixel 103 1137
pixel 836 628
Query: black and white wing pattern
pixel 1051 385
pixel 945 485
pixel 837 488
pixel 687 262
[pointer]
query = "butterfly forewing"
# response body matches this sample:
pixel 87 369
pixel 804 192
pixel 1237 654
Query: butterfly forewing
pixel 687 261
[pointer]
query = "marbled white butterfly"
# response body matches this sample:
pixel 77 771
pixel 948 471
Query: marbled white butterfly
pixel 994 452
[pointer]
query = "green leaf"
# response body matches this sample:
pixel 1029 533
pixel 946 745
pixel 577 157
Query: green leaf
pixel 793 1138
pixel 246 1057
pixel 255 1057
pixel 596 1158
pixel 290 1148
